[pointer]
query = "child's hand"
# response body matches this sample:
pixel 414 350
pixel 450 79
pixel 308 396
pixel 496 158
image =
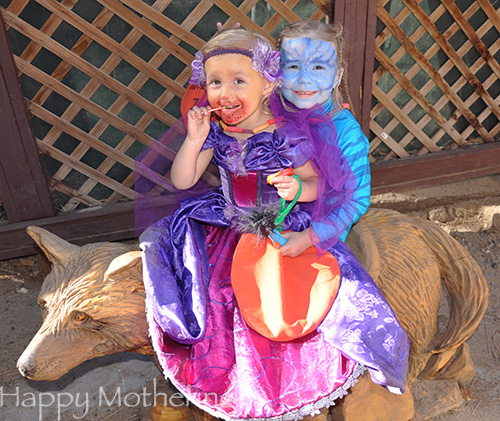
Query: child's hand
pixel 287 186
pixel 198 124
pixel 237 25
pixel 297 243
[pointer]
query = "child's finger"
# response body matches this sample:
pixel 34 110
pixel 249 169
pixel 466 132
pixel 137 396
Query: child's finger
pixel 198 113
pixel 286 194
pixel 285 183
pixel 205 111
pixel 282 179
pixel 194 113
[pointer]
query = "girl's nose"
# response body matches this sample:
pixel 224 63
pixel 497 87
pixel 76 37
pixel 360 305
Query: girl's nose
pixel 304 77
pixel 226 91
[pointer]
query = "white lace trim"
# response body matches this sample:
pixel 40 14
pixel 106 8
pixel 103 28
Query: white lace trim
pixel 297 414
pixel 314 408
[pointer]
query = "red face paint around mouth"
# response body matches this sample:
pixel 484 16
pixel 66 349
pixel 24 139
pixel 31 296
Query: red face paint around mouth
pixel 233 116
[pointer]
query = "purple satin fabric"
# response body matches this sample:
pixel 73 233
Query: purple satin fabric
pixel 235 373
pixel 208 351
pixel 363 326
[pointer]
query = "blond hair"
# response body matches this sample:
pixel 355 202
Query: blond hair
pixel 332 33
pixel 238 38
pixel 234 38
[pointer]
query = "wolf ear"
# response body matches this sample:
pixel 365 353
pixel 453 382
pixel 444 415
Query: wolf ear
pixel 125 262
pixel 55 248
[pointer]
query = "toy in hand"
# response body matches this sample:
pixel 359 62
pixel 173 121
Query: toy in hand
pixel 282 212
pixel 267 221
pixel 285 171
pixel 282 298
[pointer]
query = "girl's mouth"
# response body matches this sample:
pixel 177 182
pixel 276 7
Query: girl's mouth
pixel 232 114
pixel 305 94
pixel 230 108
pixel 226 107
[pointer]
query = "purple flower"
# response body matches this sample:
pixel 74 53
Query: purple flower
pixel 266 61
pixel 198 68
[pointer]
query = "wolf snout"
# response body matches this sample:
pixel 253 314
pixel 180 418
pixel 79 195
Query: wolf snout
pixel 26 367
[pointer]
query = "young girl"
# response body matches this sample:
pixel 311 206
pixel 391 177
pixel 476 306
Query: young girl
pixel 312 63
pixel 204 345
pixel 312 60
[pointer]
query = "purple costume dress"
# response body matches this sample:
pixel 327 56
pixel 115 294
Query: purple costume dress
pixel 202 342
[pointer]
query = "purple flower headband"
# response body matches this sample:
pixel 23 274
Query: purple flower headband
pixel 265 60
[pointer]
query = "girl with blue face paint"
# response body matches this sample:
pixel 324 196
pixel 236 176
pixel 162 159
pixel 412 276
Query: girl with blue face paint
pixel 312 65
pixel 310 71
pixel 312 62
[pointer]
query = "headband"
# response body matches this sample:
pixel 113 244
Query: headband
pixel 219 51
pixel 265 60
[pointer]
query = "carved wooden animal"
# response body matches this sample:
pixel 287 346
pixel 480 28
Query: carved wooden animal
pixel 92 305
pixel 93 301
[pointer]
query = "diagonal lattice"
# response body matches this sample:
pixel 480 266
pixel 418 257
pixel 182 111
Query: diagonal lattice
pixel 104 78
pixel 436 82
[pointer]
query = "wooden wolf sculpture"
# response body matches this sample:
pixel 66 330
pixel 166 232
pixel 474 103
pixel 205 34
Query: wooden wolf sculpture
pixel 93 298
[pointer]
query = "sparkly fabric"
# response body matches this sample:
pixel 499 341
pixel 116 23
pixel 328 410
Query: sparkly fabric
pixel 205 347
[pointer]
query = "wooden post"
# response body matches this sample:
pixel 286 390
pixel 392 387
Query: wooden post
pixel 359 18
pixel 23 187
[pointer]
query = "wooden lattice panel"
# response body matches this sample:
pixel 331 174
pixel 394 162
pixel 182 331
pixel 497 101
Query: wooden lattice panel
pixel 104 78
pixel 437 76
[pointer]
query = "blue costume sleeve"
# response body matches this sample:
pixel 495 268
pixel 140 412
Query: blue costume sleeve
pixel 355 145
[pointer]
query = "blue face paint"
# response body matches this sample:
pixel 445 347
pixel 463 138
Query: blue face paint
pixel 309 69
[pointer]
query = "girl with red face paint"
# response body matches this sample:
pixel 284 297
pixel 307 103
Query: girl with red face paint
pixel 237 349
pixel 239 70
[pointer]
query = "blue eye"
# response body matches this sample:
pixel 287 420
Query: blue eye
pixel 319 67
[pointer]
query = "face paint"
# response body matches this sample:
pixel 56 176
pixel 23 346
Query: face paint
pixel 232 82
pixel 309 69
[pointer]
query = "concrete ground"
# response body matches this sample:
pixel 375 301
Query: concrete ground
pixel 464 206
